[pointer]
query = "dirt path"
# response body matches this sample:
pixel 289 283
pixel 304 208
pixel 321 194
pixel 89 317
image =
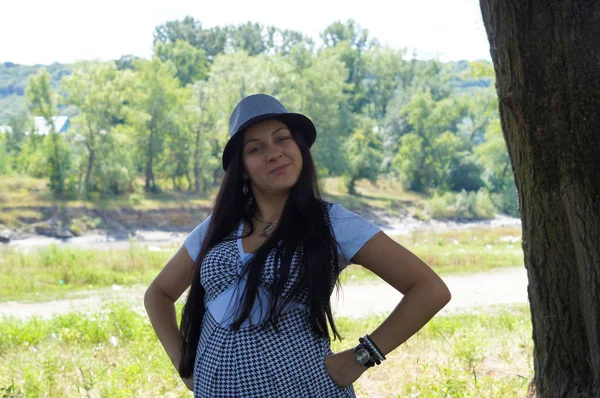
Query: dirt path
pixel 472 292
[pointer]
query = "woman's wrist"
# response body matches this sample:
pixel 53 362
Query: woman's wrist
pixel 351 364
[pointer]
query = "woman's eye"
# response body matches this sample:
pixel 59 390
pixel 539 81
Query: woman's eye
pixel 281 139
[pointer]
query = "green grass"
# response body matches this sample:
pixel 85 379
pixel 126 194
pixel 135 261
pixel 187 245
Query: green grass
pixel 22 198
pixel 22 192
pixel 28 191
pixel 114 353
pixel 56 271
pixel 386 195
pixel 477 249
pixel 456 252
pixel 467 355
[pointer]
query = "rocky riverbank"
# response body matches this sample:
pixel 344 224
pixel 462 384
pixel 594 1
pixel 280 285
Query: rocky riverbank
pixel 115 228
pixel 70 222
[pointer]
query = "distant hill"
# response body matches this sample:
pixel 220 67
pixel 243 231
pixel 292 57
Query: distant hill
pixel 13 80
pixel 463 85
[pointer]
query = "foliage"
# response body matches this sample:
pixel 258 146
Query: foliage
pixel 463 205
pixel 38 273
pixel 498 172
pixel 13 82
pixel 41 100
pixel 98 90
pixel 114 352
pixel 434 126
pixel 364 152
pixel 151 113
pixel 191 62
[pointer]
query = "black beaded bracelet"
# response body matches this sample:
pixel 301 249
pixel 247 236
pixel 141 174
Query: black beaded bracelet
pixel 376 351
pixel 374 357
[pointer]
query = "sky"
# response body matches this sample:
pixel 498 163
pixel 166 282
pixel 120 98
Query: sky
pixel 66 31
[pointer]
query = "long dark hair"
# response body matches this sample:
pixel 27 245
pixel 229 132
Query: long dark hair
pixel 304 229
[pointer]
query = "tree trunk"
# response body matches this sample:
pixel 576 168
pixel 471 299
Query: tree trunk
pixel 58 176
pixel 547 60
pixel 189 181
pixel 351 186
pixel 90 144
pixel 149 173
pixel 90 166
pixel 197 162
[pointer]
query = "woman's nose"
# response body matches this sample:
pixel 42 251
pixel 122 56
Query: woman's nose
pixel 273 154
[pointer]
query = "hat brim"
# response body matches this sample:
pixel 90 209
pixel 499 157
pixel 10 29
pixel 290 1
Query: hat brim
pixel 299 121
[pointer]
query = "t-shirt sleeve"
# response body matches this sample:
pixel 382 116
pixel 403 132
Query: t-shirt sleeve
pixel 351 232
pixel 194 240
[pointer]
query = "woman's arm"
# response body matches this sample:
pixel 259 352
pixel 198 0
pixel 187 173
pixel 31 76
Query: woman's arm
pixel 160 298
pixel 424 291
pixel 424 294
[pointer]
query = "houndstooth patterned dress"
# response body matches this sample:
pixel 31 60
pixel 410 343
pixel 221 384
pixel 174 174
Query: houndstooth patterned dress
pixel 256 360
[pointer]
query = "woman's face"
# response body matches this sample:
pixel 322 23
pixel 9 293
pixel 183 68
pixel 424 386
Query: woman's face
pixel 271 157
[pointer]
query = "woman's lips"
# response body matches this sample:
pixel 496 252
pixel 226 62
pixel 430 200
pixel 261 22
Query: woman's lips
pixel 279 170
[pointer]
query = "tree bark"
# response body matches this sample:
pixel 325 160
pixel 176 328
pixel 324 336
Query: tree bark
pixel 90 166
pixel 90 143
pixel 57 173
pixel 197 162
pixel 547 60
pixel 150 184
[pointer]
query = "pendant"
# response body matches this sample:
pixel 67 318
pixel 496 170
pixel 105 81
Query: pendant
pixel 267 230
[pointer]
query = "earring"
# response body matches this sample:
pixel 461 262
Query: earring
pixel 245 187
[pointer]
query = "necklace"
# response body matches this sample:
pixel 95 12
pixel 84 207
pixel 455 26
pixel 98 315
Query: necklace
pixel 267 229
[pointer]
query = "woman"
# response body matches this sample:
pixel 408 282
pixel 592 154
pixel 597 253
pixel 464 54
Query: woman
pixel 262 268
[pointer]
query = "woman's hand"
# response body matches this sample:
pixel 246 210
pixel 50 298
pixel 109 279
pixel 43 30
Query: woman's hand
pixel 189 383
pixel 342 368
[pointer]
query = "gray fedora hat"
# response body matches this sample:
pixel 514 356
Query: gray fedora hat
pixel 258 107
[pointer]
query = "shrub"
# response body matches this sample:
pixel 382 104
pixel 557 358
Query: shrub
pixel 464 205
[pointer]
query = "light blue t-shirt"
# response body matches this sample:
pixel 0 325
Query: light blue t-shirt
pixel 351 232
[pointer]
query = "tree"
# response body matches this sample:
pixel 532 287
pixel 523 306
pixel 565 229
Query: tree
pixel 431 155
pixel 325 101
pixel 4 159
pixel 212 41
pixel 547 60
pixel 282 41
pixel 414 78
pixel 200 121
pixel 348 42
pixel 434 76
pixel 177 148
pixel 191 62
pixel 385 69
pixel 16 137
pixel 364 154
pixel 98 91
pixel 125 62
pixel 42 101
pixel 156 94
pixel 249 38
pixel 497 174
